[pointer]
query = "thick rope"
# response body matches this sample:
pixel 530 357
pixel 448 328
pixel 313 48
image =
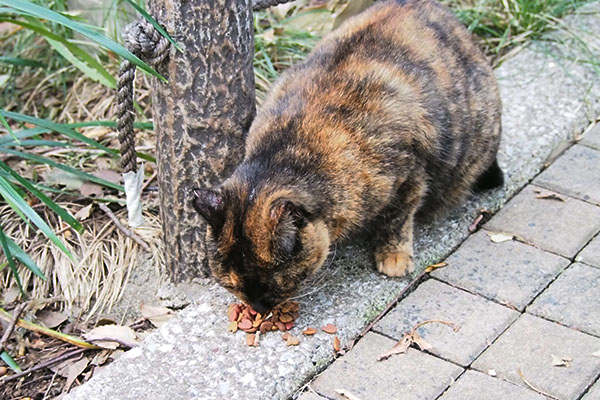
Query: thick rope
pixel 148 44
pixel 143 40
pixel 258 5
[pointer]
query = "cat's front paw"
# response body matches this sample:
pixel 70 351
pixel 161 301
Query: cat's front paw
pixel 394 262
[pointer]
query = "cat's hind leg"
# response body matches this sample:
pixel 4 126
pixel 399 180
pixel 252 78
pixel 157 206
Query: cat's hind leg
pixel 394 248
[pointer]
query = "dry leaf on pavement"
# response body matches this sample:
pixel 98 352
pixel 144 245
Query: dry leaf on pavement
pixel 435 266
pixel 499 237
pixel 422 343
pixel 413 337
pixel 399 348
pixel 561 361
pixel 156 315
pixel 548 196
pixel 111 336
pixel 346 394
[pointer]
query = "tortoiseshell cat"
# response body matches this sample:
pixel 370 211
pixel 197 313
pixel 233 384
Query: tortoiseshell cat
pixel 395 112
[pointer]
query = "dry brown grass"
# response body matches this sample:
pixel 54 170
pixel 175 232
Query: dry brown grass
pixel 105 258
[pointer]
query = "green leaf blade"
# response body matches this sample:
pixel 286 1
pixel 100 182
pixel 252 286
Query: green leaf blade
pixel 10 362
pixel 45 13
pixel 16 202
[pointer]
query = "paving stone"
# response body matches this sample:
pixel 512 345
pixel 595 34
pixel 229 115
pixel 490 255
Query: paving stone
pixel 561 227
pixel 593 393
pixel 510 272
pixel 480 320
pixel 592 138
pixel 572 300
pixel 528 346
pixel 591 253
pixel 477 385
pixel 575 173
pixel 414 375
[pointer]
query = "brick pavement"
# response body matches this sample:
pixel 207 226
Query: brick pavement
pixel 521 304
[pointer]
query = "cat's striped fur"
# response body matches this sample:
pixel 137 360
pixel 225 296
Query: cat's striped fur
pixel 396 111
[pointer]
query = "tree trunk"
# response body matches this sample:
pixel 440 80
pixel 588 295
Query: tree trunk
pixel 200 116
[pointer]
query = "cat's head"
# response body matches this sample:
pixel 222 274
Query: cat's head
pixel 261 246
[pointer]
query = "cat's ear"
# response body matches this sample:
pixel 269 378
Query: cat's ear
pixel 209 204
pixel 288 219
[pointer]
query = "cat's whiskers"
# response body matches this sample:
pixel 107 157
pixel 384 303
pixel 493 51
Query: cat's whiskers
pixel 318 279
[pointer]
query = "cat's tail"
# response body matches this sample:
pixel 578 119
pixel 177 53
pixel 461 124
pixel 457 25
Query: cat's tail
pixel 491 178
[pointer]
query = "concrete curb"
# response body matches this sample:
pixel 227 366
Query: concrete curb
pixel 548 99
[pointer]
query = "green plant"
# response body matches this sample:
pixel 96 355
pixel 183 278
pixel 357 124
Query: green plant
pixel 55 27
pixel 503 25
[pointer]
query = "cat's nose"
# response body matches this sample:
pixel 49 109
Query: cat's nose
pixel 259 307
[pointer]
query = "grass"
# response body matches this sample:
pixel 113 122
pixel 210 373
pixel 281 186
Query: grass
pixel 505 25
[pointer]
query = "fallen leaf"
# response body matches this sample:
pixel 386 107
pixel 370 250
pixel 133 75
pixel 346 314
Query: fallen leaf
pixel 492 372
pixel 84 213
pixel 548 196
pixel 435 266
pixel 111 336
pixel 292 341
pixel 156 315
pixel 309 331
pixel 50 319
pixel 346 394
pixel 3 371
pixel 89 189
pixel 329 328
pixel 561 361
pixel 336 344
pixel 109 175
pixel 11 294
pixel 413 337
pixel 75 370
pixel 101 357
pixel 399 348
pixel 499 237
pixel 56 176
pixel 422 343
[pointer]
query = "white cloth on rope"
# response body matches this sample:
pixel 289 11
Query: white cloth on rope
pixel 133 193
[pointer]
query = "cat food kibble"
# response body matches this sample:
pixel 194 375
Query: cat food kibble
pixel 245 318
pixel 329 328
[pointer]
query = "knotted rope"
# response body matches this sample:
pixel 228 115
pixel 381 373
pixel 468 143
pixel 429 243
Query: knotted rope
pixel 144 41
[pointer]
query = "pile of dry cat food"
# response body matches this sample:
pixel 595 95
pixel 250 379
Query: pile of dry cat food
pixel 282 318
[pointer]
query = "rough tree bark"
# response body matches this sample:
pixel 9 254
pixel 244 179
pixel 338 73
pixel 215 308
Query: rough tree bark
pixel 201 115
